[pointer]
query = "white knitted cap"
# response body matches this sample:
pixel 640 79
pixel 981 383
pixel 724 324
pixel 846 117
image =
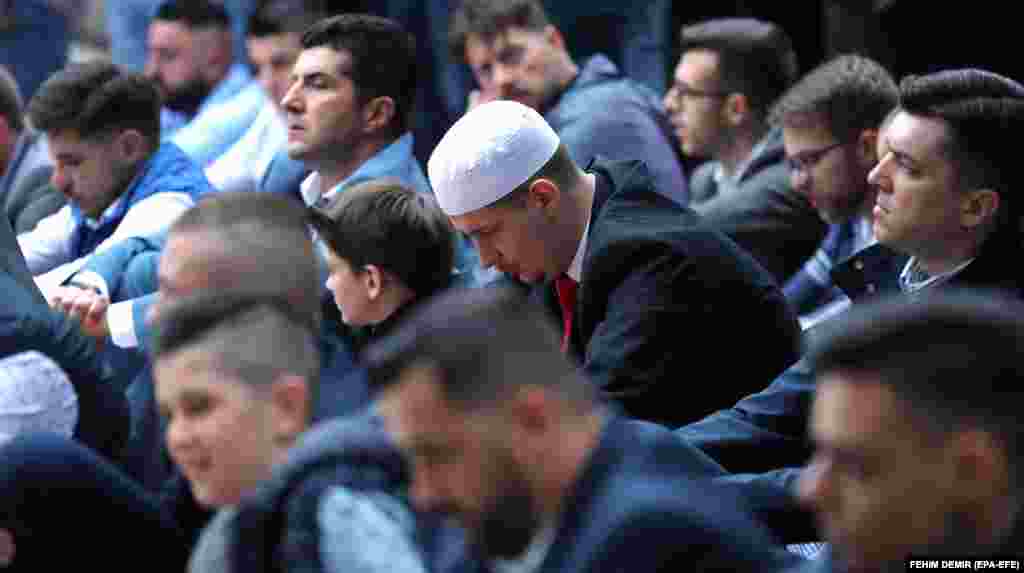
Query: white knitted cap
pixel 487 154
pixel 35 396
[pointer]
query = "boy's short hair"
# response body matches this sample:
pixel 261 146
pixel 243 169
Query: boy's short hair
pixel 386 224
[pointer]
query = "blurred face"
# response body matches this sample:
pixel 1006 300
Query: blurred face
pixel 830 173
pixel 173 61
pixel 321 108
pixel 694 104
pixel 519 65
pixel 463 464
pixel 218 431
pixel 91 172
pixel 919 204
pixel 184 268
pixel 351 293
pixel 883 487
pixel 511 238
pixel 272 58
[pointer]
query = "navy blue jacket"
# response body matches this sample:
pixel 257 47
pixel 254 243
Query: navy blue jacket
pixel 644 502
pixel 662 297
pixel 26 323
pixel 605 114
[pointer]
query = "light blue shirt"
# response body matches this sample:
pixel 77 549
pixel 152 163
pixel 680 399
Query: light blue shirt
pixel 397 161
pixel 221 120
pixel 394 161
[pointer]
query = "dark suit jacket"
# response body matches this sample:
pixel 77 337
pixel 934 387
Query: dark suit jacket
pixel 657 290
pixel 761 212
pixel 643 503
pixel 26 323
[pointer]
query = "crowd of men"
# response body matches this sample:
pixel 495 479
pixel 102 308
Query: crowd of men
pixel 248 330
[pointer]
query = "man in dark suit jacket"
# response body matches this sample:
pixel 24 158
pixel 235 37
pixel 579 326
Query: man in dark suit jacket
pixel 508 439
pixel 932 462
pixel 646 271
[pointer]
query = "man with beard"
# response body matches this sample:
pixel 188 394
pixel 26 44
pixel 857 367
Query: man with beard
pixel 830 123
pixel 103 128
pixel 918 432
pixel 516 53
pixel 507 438
pixel 209 99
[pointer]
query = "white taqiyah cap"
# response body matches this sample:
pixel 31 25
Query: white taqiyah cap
pixel 487 154
pixel 35 396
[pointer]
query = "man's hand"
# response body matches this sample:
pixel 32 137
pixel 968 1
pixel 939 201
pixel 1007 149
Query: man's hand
pixel 88 307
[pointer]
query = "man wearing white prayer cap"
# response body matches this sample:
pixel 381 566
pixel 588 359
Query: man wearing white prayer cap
pixel 644 293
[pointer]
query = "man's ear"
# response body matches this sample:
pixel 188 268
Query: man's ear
pixel 736 109
pixel 378 113
pixel 131 145
pixel 553 37
pixel 981 463
pixel 530 407
pixel 290 399
pixel 544 194
pixel 867 148
pixel 373 281
pixel 977 207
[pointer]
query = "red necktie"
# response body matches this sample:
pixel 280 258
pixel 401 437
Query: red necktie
pixel 566 288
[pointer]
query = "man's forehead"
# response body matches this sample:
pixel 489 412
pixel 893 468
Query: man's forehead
pixel 169 31
pixel 853 409
pixel 698 63
pixel 322 60
pixel 921 136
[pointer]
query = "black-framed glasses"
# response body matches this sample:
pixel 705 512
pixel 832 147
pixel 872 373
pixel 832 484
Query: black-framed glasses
pixel 806 160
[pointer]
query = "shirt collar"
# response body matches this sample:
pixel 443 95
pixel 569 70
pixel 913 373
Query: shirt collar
pixel 384 163
pixel 914 278
pixel 236 79
pixel 575 271
pixel 532 558
pixel 95 223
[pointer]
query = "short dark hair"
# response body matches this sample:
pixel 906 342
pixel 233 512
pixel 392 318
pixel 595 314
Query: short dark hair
pixel 383 223
pixel 193 13
pixel 256 339
pixel 755 58
pixel 383 59
pixel 952 356
pixel 980 109
pixel 11 103
pixel 264 243
pixel 95 99
pixel 484 344
pixel 281 17
pixel 851 93
pixel 490 18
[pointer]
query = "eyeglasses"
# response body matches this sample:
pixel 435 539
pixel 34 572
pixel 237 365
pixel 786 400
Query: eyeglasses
pixel 679 91
pixel 806 160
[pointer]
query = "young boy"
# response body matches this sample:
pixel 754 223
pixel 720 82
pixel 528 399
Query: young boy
pixel 387 248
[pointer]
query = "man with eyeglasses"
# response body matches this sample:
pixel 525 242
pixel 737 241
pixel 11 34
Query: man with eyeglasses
pixel 830 123
pixel 730 72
